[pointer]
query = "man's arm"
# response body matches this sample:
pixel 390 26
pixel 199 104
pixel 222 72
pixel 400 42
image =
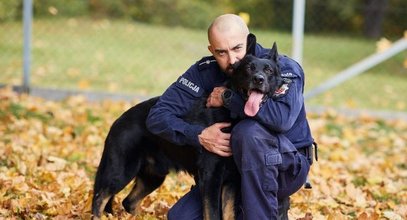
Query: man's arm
pixel 280 113
pixel 165 118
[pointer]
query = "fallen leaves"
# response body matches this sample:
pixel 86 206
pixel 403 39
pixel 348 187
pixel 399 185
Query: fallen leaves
pixel 362 169
pixel 49 152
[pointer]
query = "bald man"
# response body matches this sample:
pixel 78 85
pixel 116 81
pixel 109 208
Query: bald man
pixel 269 148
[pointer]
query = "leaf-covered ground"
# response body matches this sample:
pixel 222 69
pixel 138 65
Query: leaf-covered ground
pixel 49 152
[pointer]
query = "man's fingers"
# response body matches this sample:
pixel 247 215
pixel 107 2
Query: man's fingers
pixel 224 153
pixel 224 144
pixel 223 149
pixel 223 124
pixel 208 102
pixel 215 141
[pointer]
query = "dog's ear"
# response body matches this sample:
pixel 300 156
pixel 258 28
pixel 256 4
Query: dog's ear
pixel 273 52
pixel 251 44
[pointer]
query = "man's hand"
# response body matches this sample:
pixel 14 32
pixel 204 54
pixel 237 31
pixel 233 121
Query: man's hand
pixel 215 141
pixel 215 98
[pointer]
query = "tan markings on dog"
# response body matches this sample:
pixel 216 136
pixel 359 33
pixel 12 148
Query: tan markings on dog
pixel 206 214
pixel 228 203
pixel 228 210
pixel 102 204
pixel 136 196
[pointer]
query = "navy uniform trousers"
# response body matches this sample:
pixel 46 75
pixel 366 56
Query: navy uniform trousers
pixel 271 170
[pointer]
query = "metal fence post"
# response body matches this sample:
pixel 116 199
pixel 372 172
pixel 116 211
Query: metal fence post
pixel 27 32
pixel 298 29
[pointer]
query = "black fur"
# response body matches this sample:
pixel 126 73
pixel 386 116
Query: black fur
pixel 131 151
pixel 263 75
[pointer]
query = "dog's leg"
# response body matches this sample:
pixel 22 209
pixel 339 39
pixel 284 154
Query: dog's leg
pixel 144 185
pixel 230 190
pixel 102 191
pixel 100 199
pixel 111 178
pixel 210 183
pixel 109 205
pixel 228 202
pixel 211 199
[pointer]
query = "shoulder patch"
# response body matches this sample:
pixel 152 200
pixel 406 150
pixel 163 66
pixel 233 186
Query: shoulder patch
pixel 189 86
pixel 283 90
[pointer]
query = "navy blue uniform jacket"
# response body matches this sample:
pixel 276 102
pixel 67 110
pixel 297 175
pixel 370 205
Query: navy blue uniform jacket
pixel 284 114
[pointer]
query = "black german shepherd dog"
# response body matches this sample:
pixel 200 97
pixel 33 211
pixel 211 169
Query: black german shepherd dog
pixel 132 152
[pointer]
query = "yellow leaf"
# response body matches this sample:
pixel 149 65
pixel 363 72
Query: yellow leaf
pixel 363 216
pixel 383 44
pixel 336 215
pixel 366 216
pixel 246 17
pixel 55 163
pixel 392 215
pixel 83 84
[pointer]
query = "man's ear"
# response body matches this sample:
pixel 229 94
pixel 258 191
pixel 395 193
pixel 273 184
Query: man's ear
pixel 251 44
pixel 273 52
pixel 210 49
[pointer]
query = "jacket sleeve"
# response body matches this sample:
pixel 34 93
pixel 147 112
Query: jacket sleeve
pixel 165 118
pixel 280 113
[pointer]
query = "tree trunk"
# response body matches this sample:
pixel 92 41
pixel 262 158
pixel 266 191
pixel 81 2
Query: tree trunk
pixel 374 14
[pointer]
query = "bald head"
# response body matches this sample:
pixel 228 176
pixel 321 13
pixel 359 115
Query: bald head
pixel 227 24
pixel 227 36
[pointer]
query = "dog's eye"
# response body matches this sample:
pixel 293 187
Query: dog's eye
pixel 267 69
pixel 251 67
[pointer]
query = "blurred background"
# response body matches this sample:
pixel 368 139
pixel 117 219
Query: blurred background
pixel 134 49
pixel 139 47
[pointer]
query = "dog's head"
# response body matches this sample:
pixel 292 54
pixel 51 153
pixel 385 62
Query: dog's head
pixel 257 79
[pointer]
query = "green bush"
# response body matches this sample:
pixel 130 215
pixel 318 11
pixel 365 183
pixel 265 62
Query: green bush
pixel 65 8
pixel 321 15
pixel 9 10
pixel 187 13
pixel 110 8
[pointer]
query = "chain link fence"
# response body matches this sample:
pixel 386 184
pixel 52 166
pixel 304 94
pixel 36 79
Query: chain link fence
pixel 118 55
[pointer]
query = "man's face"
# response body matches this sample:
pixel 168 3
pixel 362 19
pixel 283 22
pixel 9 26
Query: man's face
pixel 227 48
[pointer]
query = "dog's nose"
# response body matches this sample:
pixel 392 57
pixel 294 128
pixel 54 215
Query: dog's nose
pixel 258 79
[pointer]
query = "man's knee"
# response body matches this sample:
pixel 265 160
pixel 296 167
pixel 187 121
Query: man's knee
pixel 242 129
pixel 182 214
pixel 250 134
pixel 172 214
pixel 253 145
pixel 189 207
pixel 175 212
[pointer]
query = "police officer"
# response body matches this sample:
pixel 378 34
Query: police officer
pixel 267 146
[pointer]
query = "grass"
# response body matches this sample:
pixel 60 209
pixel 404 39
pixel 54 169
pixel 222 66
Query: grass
pixel 130 57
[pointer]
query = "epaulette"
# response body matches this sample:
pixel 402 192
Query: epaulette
pixel 206 63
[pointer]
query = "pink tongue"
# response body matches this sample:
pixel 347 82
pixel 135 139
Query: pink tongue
pixel 253 103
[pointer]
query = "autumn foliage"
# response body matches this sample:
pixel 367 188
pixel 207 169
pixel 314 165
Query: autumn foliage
pixel 49 152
